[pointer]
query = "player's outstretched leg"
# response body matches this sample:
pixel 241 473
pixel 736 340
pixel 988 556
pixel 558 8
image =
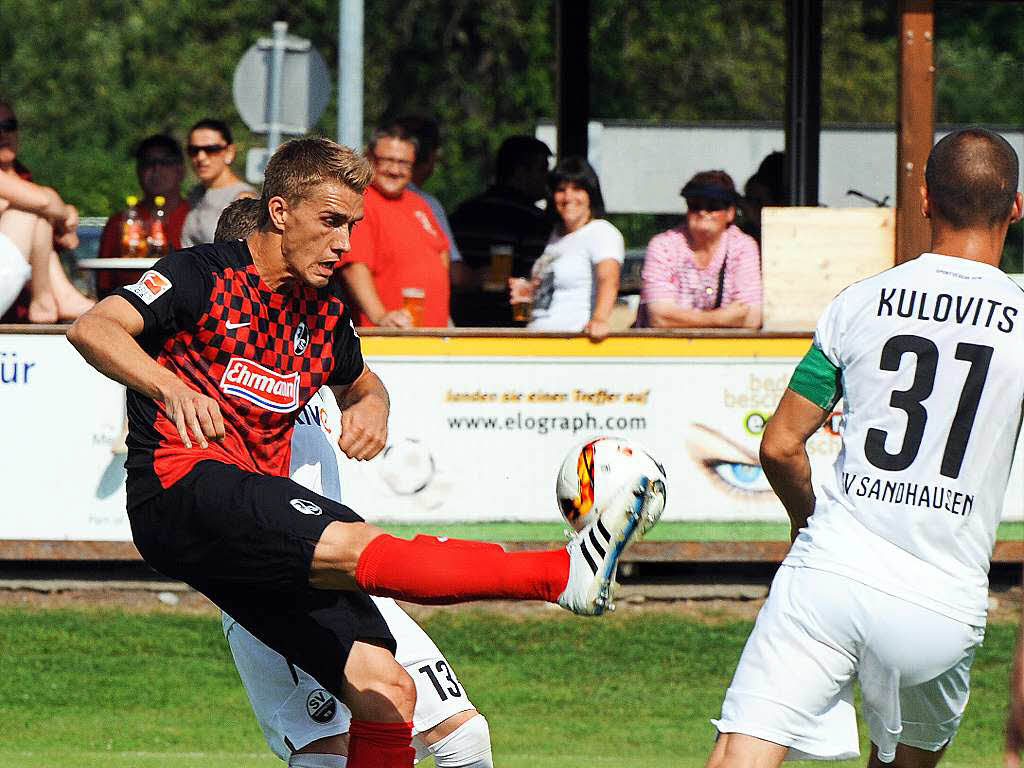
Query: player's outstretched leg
pixel 440 571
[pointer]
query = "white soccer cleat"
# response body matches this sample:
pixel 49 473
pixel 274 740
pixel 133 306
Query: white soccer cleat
pixel 594 553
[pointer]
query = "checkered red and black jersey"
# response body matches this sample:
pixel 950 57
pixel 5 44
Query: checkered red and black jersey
pixel 211 320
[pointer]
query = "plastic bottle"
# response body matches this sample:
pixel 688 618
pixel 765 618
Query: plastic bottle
pixel 157 239
pixel 133 238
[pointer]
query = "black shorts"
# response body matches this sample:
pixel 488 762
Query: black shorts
pixel 246 541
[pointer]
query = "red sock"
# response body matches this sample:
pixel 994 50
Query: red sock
pixel 432 570
pixel 380 745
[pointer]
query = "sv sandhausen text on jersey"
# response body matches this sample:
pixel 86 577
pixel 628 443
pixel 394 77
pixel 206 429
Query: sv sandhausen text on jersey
pixel 914 494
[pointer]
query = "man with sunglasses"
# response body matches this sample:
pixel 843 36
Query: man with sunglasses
pixel 160 168
pixel 705 273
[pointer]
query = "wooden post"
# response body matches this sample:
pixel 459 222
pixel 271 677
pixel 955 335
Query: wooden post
pixel 916 124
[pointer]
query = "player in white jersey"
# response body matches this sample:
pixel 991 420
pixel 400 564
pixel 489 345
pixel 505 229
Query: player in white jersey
pixel 302 722
pixel 887 581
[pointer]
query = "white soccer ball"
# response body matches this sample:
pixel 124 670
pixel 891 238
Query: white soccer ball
pixel 595 470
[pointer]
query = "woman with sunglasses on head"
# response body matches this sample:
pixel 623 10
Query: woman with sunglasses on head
pixel 704 273
pixel 211 151
pixel 34 220
pixel 575 280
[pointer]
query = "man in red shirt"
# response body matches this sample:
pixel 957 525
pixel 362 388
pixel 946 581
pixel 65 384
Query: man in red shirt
pixel 399 246
pixel 221 346
pixel 160 168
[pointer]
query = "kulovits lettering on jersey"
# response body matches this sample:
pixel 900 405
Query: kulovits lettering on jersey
pixel 944 307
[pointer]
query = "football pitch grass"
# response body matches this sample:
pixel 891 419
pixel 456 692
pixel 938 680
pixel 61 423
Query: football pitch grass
pixel 665 531
pixel 103 688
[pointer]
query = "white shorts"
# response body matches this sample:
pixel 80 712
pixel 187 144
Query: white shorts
pixel 293 709
pixel 14 272
pixel 815 635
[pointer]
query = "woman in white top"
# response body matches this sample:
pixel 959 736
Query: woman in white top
pixel 212 151
pixel 575 281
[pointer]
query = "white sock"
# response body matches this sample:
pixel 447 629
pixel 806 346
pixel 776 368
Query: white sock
pixel 468 746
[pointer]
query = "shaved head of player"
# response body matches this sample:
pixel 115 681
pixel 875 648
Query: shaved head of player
pixel 970 194
pixel 886 582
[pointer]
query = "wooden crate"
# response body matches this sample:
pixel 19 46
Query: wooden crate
pixel 810 254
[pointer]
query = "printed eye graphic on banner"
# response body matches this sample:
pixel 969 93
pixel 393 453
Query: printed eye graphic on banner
pixel 730 467
pixel 741 476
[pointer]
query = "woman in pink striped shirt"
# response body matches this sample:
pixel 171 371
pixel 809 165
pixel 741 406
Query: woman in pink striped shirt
pixel 705 273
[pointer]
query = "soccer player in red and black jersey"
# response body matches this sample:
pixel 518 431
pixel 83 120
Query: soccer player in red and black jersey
pixel 221 346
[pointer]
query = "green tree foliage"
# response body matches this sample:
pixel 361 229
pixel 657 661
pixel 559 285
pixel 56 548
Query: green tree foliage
pixel 979 51
pixel 858 69
pixel 483 69
pixel 665 60
pixel 89 78
pixel 726 61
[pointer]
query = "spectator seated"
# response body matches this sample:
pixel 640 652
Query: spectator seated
pixel 704 273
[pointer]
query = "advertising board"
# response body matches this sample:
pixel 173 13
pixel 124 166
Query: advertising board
pixel 478 429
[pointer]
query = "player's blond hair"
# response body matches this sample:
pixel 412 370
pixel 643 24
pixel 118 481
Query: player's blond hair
pixel 300 165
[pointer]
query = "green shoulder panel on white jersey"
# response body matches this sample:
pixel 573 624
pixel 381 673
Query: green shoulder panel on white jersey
pixel 818 379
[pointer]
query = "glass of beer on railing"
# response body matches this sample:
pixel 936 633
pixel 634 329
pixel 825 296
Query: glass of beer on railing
pixel 412 302
pixel 500 267
pixel 521 297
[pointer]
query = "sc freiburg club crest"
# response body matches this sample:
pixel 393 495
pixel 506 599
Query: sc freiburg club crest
pixel 306 507
pixel 301 338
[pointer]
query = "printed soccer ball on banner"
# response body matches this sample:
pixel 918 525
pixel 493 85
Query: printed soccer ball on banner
pixel 595 470
pixel 406 467
pixel 409 470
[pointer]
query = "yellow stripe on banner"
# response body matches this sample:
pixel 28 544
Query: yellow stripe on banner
pixel 440 346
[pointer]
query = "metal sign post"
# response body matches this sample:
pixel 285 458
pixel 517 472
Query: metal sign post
pixel 350 73
pixel 281 87
pixel 277 48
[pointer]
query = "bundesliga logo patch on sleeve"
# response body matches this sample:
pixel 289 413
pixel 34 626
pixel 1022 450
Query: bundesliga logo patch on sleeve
pixel 151 286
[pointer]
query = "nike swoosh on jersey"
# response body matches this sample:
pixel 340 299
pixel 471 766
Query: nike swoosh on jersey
pixel 233 326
